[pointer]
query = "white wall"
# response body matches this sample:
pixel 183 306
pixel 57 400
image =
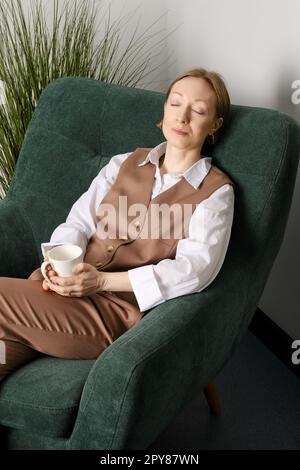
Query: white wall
pixel 255 45
pixel 150 18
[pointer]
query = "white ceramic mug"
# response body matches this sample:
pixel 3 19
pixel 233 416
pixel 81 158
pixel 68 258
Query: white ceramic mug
pixel 63 259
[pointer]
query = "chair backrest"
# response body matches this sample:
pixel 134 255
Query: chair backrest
pixel 80 123
pixel 77 126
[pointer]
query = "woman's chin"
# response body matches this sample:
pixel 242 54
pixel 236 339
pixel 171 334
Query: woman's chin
pixel 178 143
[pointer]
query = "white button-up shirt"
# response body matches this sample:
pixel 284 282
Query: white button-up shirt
pixel 199 256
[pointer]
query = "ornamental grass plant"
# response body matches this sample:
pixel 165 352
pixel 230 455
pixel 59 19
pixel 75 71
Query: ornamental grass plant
pixel 36 48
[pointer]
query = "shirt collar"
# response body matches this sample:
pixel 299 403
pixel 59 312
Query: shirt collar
pixel 194 175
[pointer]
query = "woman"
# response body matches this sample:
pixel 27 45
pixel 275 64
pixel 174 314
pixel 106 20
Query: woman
pixel 124 277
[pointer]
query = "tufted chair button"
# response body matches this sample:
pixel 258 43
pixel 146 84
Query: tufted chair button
pixel 110 248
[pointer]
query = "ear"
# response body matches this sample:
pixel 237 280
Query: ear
pixel 217 124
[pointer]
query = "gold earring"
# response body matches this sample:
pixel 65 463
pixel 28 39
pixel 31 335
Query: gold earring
pixel 213 139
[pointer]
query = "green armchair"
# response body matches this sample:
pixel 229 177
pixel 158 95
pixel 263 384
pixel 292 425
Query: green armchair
pixel 129 395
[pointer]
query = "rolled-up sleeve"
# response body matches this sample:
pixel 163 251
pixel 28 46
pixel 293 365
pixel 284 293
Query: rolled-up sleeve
pixel 142 279
pixel 198 258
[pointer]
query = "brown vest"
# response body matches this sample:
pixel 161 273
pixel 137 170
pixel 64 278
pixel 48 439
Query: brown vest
pixel 134 248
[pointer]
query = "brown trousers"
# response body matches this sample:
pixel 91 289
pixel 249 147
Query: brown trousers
pixel 35 322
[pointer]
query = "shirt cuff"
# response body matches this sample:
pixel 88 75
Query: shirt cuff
pixel 145 287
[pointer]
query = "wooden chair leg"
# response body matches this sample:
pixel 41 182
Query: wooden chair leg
pixel 211 395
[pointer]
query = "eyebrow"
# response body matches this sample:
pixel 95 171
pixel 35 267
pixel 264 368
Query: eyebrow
pixel 177 93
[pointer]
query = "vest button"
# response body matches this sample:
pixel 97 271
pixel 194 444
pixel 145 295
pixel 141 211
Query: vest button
pixel 110 248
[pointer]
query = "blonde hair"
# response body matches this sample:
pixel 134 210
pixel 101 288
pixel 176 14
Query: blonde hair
pixel 215 80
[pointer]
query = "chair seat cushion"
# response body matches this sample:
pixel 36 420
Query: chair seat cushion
pixel 43 396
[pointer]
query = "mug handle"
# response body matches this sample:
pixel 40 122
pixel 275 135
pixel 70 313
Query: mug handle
pixel 44 272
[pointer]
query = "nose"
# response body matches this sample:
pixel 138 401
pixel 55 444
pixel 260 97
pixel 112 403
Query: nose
pixel 182 116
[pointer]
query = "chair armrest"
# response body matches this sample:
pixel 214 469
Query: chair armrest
pixel 144 379
pixel 18 256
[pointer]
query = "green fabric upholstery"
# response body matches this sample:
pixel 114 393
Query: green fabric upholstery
pixel 127 397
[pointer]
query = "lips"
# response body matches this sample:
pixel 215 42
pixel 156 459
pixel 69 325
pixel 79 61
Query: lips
pixel 179 131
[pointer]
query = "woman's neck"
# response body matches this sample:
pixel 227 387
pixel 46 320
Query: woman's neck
pixel 177 161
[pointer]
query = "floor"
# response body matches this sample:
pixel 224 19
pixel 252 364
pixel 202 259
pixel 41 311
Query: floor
pixel 260 402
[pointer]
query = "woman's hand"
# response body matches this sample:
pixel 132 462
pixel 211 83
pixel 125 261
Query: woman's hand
pixel 50 273
pixel 86 280
pixel 37 275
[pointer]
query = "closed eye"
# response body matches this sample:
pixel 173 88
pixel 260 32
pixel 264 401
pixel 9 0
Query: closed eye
pixel 198 112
